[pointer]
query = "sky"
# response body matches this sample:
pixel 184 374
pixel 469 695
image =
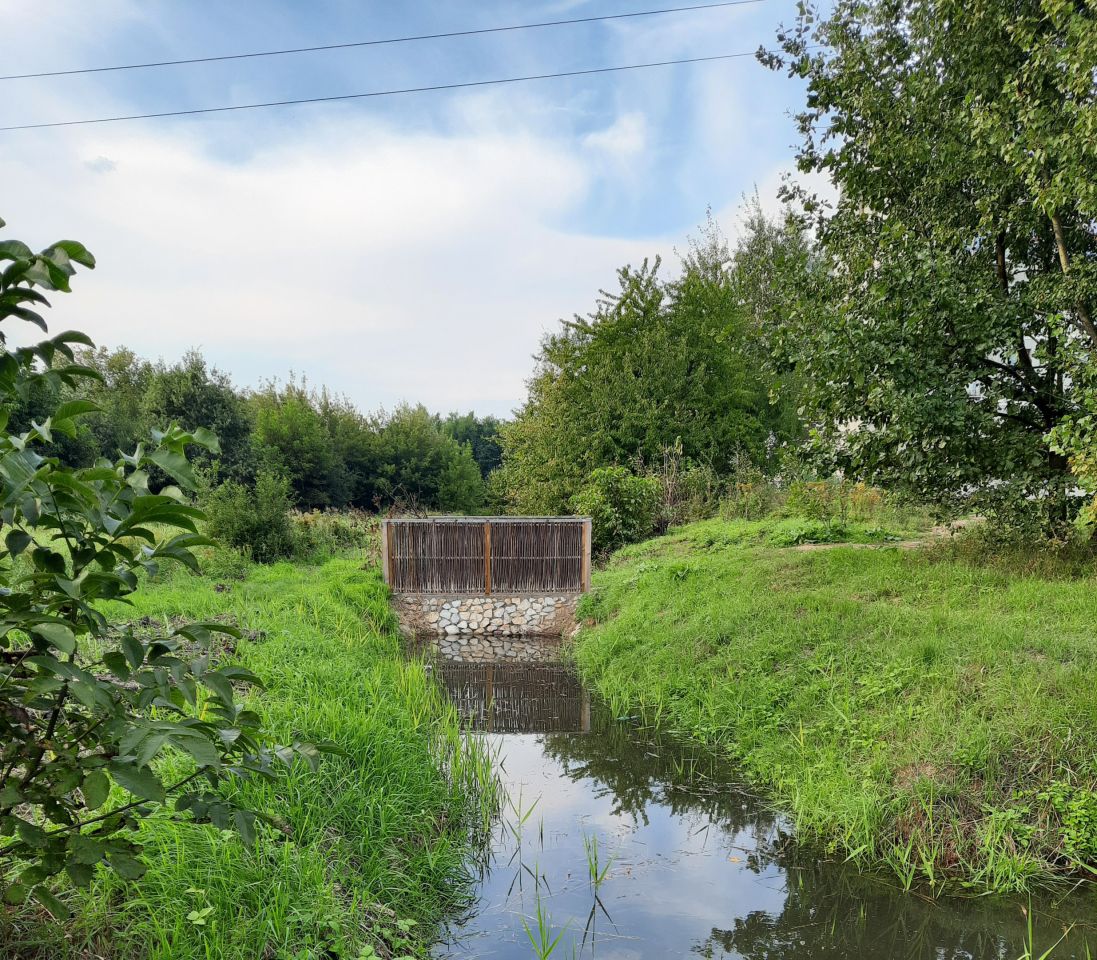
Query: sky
pixel 399 249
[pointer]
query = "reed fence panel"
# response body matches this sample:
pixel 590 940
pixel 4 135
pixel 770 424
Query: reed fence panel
pixel 487 555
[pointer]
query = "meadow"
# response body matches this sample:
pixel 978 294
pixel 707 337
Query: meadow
pixel 369 852
pixel 928 709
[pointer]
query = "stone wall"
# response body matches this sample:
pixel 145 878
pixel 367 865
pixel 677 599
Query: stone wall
pixel 478 648
pixel 486 616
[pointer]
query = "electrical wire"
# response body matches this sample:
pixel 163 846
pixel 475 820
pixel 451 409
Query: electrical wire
pixel 380 42
pixel 377 93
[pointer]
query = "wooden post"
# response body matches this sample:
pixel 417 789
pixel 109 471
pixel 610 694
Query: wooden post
pixel 386 573
pixel 586 557
pixel 487 558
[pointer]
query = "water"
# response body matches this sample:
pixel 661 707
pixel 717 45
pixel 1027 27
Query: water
pixel 686 862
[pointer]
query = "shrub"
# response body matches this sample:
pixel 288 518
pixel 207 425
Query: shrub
pixel 750 494
pixel 689 490
pixel 86 705
pixel 256 521
pixel 319 535
pixel 624 508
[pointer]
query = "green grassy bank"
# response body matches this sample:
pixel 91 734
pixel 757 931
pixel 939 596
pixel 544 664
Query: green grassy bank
pixel 375 842
pixel 906 707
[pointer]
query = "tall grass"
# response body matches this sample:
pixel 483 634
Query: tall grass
pixel 374 845
pixel 908 707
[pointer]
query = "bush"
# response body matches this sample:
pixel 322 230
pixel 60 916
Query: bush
pixel 321 535
pixel 623 507
pixel 256 522
pixel 89 708
pixel 689 490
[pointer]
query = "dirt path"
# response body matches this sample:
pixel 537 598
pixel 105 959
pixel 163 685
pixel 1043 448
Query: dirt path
pixel 939 532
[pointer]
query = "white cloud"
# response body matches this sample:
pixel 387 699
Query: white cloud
pixel 387 265
pixel 624 139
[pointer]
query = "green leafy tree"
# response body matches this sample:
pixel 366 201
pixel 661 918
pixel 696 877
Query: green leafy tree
pixel 945 344
pixel 482 436
pixel 355 440
pixel 120 390
pixel 87 706
pixel 656 364
pixel 292 439
pixel 191 394
pixel 419 466
pixel 623 507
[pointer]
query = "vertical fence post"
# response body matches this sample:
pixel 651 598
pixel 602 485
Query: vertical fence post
pixel 487 558
pixel 386 573
pixel 585 568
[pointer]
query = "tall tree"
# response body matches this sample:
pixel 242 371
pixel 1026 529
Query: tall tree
pixel 190 393
pixel 944 344
pixel 655 363
pixel 482 436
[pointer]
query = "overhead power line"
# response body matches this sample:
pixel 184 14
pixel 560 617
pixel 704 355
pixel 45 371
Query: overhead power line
pixel 381 42
pixel 378 93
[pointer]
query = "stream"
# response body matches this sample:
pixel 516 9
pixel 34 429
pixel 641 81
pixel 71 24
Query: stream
pixel 620 844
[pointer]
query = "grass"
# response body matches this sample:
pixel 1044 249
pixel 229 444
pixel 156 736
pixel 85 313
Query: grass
pixel 376 843
pixel 911 708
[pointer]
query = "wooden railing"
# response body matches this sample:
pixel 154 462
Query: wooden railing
pixel 486 555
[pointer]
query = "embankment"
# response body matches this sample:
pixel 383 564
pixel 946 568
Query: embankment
pixel 906 707
pixel 373 846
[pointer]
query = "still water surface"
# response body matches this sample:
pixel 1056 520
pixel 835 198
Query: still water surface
pixel 629 846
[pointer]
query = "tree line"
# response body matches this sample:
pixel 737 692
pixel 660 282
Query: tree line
pixel 331 454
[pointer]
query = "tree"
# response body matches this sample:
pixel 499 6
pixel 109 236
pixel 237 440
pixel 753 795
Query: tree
pixel 656 363
pixel 292 439
pixel 86 706
pixel 482 436
pixel 945 344
pixel 120 391
pixel 190 393
pixel 419 465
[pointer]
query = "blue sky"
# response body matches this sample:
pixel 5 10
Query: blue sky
pixel 411 248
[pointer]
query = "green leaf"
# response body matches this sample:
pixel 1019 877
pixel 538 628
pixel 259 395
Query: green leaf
pixel 199 747
pixel 175 465
pixel 134 651
pixel 56 635
pixel 219 684
pixel 17 541
pixel 56 908
pixel 127 867
pixel 141 782
pixel 96 789
pixel 77 252
pixel 15 250
pixel 15 893
pixel 245 825
pixel 74 408
pixel 81 873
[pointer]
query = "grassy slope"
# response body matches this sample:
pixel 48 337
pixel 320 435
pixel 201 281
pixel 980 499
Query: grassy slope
pixel 904 706
pixel 376 838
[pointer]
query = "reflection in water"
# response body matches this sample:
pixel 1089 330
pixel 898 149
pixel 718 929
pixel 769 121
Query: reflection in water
pixel 517 697
pixel 635 846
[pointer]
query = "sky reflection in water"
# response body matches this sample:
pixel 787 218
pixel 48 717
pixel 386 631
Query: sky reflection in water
pixel 698 867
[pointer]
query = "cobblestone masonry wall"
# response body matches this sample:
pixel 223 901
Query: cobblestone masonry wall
pixel 483 649
pixel 487 616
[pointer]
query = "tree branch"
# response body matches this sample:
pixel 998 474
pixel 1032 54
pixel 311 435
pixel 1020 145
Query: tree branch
pixel 1084 320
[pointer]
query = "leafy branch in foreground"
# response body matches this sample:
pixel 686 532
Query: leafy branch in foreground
pixel 87 707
